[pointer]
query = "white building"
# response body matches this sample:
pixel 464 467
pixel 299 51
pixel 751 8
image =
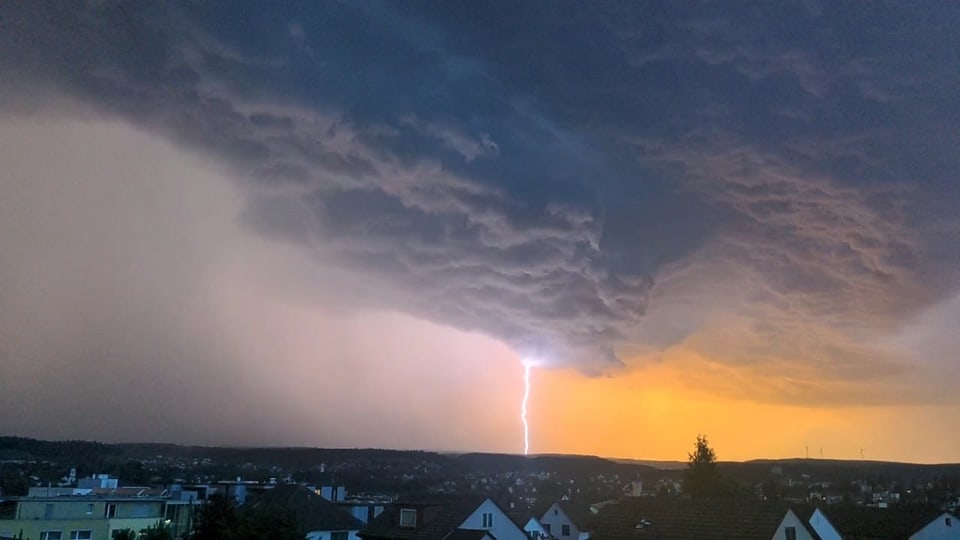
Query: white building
pixel 535 530
pixel 944 527
pixel 489 517
pixel 822 525
pixel 564 523
pixel 793 528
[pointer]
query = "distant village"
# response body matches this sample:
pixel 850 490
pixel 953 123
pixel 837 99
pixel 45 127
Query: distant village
pixel 380 494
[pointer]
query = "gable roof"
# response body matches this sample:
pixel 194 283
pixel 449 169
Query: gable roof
pixel 803 514
pixel 580 514
pixel 437 518
pixel 865 523
pixel 470 534
pixel 310 509
pixel 520 518
pixel 662 518
pixel 534 519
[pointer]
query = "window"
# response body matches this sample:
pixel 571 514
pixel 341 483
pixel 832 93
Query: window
pixel 790 533
pixel 487 520
pixel 90 509
pixel 48 511
pixel 948 522
pixel 81 535
pixel 138 511
pixel 339 535
pixel 51 535
pixel 546 528
pixel 408 517
pixel 565 530
pixel 111 511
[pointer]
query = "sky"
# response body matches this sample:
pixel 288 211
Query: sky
pixel 348 224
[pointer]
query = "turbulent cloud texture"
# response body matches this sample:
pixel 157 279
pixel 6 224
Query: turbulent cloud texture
pixel 770 187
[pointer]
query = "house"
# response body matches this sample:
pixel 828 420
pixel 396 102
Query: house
pixel 365 511
pixel 674 518
pixel 793 526
pixel 181 507
pixel 535 530
pixel 566 521
pixel 443 517
pixel 469 534
pixel 89 515
pixel 322 519
pixel 895 523
pixel 943 527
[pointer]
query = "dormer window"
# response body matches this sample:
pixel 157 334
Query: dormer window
pixel 408 517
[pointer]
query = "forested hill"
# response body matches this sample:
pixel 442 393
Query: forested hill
pixel 88 455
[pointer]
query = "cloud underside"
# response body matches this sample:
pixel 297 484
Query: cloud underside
pixel 578 232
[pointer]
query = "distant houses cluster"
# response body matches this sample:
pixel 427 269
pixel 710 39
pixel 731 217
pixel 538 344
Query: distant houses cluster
pixel 99 508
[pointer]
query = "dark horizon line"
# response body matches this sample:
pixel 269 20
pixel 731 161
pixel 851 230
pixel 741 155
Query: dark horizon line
pixel 627 460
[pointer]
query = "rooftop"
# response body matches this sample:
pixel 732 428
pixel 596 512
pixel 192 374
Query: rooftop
pixel 895 523
pixel 312 510
pixel 658 518
pixel 437 518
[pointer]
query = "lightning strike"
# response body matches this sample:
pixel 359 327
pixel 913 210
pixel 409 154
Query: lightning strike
pixel 523 407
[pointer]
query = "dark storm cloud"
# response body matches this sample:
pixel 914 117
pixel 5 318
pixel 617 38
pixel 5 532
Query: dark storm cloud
pixel 536 171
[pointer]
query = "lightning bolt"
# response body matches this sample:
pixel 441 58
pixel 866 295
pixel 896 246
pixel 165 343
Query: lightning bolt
pixel 523 407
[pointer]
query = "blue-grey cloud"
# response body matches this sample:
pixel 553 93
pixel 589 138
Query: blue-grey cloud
pixel 564 178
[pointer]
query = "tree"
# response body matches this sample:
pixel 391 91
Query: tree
pixel 216 520
pixel 277 525
pixel 702 477
pixel 220 519
pixel 125 534
pixel 157 532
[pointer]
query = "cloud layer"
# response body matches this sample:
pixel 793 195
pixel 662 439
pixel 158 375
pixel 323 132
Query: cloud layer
pixel 770 188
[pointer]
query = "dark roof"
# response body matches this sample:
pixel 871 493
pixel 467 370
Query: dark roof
pixel 520 518
pixel 805 511
pixel 310 509
pixel 668 518
pixel 470 534
pixel 580 514
pixel 437 518
pixel 864 523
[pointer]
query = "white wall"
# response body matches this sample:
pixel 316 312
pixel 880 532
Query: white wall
pixel 792 520
pixel 822 525
pixel 325 535
pixel 939 530
pixel 535 529
pixel 556 518
pixel 503 527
